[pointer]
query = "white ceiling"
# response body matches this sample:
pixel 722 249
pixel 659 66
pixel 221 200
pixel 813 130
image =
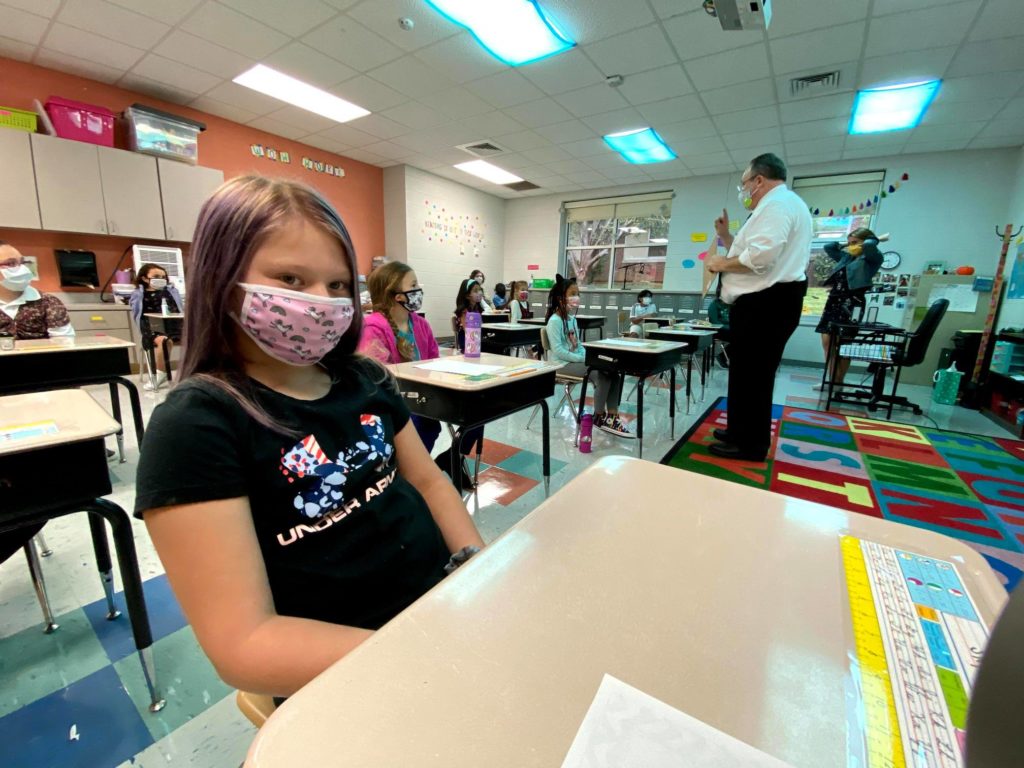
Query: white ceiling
pixel 717 98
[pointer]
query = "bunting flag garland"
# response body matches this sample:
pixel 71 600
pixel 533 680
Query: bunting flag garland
pixel 860 206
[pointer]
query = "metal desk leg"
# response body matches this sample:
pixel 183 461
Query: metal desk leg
pixel 36 570
pixel 44 550
pixel 583 404
pixel 167 359
pixel 640 416
pixel 115 407
pixel 672 401
pixel 136 403
pixel 128 562
pixel 455 457
pixel 151 355
pixel 546 446
pixel 101 549
pixel 689 381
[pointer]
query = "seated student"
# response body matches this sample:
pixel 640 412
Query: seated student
pixel 644 307
pixel 519 302
pixel 394 333
pixel 500 299
pixel 151 290
pixel 563 336
pixel 478 275
pixel 470 298
pixel 288 496
pixel 25 313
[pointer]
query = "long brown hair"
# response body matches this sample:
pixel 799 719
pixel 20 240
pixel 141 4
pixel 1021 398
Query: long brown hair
pixel 383 283
pixel 234 222
pixel 862 234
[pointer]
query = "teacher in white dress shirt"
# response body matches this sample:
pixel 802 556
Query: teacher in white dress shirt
pixel 764 279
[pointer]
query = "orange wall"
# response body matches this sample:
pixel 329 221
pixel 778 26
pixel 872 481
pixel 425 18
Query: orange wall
pixel 358 196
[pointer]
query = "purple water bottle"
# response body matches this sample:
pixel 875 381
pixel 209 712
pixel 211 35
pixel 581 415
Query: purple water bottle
pixel 473 324
pixel 586 432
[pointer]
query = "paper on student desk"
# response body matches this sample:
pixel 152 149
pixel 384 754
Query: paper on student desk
pixel 626 728
pixel 459 366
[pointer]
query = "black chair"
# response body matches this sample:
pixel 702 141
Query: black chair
pixel 907 352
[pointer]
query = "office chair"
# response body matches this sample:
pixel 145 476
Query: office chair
pixel 906 352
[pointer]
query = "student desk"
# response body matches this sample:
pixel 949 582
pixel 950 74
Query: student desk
pixel 504 336
pixel 661 321
pixel 585 322
pixel 53 463
pixel 168 325
pixel 486 318
pixel 696 341
pixel 472 402
pixel 725 601
pixel 633 357
pixel 41 364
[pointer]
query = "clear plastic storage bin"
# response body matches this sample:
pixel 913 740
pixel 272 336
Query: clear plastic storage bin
pixel 162 134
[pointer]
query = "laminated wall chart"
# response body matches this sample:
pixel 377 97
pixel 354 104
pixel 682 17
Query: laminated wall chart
pixel 918 642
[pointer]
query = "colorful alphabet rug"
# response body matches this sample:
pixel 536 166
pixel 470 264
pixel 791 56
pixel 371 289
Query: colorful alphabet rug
pixel 965 486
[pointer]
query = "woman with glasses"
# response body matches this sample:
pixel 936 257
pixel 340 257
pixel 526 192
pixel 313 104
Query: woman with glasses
pixel 25 313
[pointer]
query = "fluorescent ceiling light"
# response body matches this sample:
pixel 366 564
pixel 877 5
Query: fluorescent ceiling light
pixel 485 170
pixel 513 31
pixel 641 146
pixel 893 107
pixel 302 95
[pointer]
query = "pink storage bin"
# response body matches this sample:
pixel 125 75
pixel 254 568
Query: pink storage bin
pixel 81 122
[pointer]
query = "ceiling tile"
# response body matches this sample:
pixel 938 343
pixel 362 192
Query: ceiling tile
pixel 75 66
pixel 460 59
pixel 505 89
pixel 748 120
pixel 870 154
pixel 879 142
pixel 816 129
pixel 522 140
pixel 1000 18
pixel 540 112
pixel 351 43
pixel 45 8
pixel 346 134
pixel 566 72
pixel 546 154
pixel 219 108
pixel 246 98
pixel 167 11
pixel 175 74
pixel 704 145
pixel 86 45
pixel 488 124
pixel 379 126
pixel 410 76
pixel 911 66
pixel 818 50
pixel 943 113
pixel 817 14
pixel 327 144
pixel 587 177
pixel 597 19
pixel 423 162
pixel 673 110
pixel 695 34
pixel 993 85
pixel 760 140
pixel 277 128
pixel 1001 128
pixel 655 85
pixel 457 103
pixel 15 49
pixel 917 30
pixel 988 56
pixel 368 93
pixel 22 26
pixel 609 163
pixel 585 147
pixel 949 145
pixel 233 30
pixel 382 17
pixel 592 100
pixel 363 157
pixel 674 169
pixel 729 68
pixel 386 150
pixel 309 65
pixel 666 9
pixel 615 121
pixel 156 89
pixel 630 52
pixel 112 21
pixel 832 144
pixel 994 142
pixel 754 93
pixel 303 119
pixel 1013 110
pixel 837 105
pixel 885 7
pixel 685 130
pixel 415 115
pixel 713 159
pixel 563 133
pixel 202 54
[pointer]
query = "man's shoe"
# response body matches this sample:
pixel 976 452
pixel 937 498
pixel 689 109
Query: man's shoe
pixel 730 451
pixel 722 434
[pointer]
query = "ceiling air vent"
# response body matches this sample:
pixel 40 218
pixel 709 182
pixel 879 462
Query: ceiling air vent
pixel 813 85
pixel 482 149
pixel 521 186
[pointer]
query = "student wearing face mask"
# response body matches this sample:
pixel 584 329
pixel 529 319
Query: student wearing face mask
pixel 287 494
pixel 519 302
pixel 152 290
pixel 25 313
pixel 478 276
pixel 764 280
pixel 644 307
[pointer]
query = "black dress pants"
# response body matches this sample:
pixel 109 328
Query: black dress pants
pixel 760 324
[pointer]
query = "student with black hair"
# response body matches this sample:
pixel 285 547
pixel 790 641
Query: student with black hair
pixel 564 339
pixel 644 307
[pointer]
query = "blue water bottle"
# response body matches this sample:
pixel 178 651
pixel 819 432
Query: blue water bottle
pixel 473 325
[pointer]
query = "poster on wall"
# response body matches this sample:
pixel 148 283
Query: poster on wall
pixel 441 226
pixel 1016 289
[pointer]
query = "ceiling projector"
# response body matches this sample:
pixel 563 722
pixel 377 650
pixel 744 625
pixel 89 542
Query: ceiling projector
pixel 736 15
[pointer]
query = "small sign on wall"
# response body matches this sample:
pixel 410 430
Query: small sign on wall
pixel 532 267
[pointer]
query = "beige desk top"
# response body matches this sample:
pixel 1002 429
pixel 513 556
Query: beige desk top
pixel 644 346
pixel 510 327
pixel 701 326
pixel 168 316
pixel 77 416
pixel 724 601
pixel 685 331
pixel 64 344
pixel 517 368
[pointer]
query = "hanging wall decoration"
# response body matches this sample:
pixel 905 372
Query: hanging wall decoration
pixel 860 205
pixel 442 227
pixel 278 156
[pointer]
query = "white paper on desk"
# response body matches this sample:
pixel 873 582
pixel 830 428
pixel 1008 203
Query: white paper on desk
pixel 626 728
pixel 459 366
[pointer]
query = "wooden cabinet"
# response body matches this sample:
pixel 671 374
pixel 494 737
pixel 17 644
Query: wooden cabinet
pixel 131 194
pixel 19 206
pixel 69 186
pixel 183 189
pixel 115 320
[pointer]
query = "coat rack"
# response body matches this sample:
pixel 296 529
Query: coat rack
pixel 993 303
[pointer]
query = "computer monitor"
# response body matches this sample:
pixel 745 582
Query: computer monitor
pixel 77 269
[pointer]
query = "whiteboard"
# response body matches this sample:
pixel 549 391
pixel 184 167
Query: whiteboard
pixel 962 298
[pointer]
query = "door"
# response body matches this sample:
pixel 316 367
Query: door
pixel 19 206
pixel 131 194
pixel 69 186
pixel 183 189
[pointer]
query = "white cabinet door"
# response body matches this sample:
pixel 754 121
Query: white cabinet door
pixel 183 189
pixel 19 206
pixel 69 186
pixel 131 194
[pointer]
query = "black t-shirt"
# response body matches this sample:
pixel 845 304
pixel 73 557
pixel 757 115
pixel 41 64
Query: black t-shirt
pixel 345 538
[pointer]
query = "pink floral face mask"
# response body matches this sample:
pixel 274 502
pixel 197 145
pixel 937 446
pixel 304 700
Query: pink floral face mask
pixel 293 327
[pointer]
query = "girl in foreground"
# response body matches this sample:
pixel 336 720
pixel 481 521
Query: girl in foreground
pixel 287 493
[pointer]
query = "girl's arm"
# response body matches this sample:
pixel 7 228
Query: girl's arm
pixel 214 564
pixel 446 507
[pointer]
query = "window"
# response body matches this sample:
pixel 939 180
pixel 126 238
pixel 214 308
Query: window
pixel 618 242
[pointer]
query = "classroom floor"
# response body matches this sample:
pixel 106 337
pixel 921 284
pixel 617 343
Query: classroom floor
pixel 75 697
